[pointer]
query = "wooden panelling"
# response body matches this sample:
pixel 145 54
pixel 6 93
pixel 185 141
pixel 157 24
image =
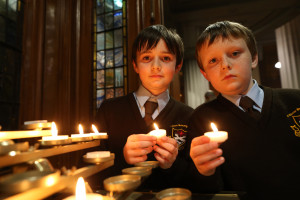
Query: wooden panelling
pixel 56 82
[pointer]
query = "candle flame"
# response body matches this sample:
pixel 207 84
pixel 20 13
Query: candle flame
pixel 155 126
pixel 80 129
pixel 53 129
pixel 214 128
pixel 80 189
pixel 94 128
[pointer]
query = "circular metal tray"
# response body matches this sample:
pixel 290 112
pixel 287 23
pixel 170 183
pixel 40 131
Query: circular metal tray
pixel 22 146
pixel 98 160
pixel 82 139
pixel 174 194
pixel 153 164
pixel 122 183
pixel 21 182
pixel 142 171
pixel 55 142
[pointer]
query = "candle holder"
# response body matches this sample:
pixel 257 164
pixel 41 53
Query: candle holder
pixel 81 137
pixel 21 182
pixel 7 146
pixel 122 183
pixel 98 160
pixel 38 125
pixel 152 164
pixel 55 142
pixel 174 193
pixel 142 171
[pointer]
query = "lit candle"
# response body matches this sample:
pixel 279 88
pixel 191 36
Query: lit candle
pixel 96 133
pixel 81 134
pixel 80 193
pixel 158 132
pixel 54 136
pixel 216 136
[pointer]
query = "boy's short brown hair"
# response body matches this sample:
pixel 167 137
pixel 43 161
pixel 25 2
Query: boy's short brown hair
pixel 150 36
pixel 225 29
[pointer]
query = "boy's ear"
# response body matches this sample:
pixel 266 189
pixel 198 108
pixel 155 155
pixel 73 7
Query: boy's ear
pixel 136 69
pixel 178 67
pixel 254 61
pixel 204 74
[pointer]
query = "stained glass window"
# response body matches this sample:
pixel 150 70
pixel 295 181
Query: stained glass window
pixel 110 69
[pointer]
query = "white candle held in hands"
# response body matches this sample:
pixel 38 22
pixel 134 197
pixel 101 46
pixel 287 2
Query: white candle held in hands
pixel 215 135
pixel 158 133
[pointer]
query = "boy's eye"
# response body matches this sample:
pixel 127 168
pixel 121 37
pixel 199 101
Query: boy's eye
pixel 235 53
pixel 146 58
pixel 166 58
pixel 212 61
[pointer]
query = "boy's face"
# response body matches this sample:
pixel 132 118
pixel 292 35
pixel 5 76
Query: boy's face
pixel 228 65
pixel 156 67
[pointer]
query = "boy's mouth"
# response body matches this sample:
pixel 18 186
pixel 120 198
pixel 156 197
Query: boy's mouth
pixel 229 77
pixel 156 76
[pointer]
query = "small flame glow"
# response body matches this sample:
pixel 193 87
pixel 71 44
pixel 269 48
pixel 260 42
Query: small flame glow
pixel 213 126
pixel 80 189
pixel 80 129
pixel 94 128
pixel 155 126
pixel 53 129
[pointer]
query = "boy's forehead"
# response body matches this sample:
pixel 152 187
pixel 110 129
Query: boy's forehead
pixel 148 47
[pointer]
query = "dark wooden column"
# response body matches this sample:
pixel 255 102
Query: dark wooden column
pixel 56 82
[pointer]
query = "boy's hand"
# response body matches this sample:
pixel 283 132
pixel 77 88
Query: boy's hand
pixel 137 147
pixel 206 155
pixel 166 151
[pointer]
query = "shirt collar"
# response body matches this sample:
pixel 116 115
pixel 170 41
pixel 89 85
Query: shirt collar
pixel 255 93
pixel 142 95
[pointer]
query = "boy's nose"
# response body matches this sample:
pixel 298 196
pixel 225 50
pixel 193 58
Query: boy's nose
pixel 226 63
pixel 156 65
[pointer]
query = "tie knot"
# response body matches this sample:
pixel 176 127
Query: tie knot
pixel 150 107
pixel 246 103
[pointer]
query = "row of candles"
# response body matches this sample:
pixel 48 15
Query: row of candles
pixel 215 135
pixel 55 136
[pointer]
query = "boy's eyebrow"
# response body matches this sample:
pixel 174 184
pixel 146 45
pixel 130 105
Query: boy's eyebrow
pixel 149 50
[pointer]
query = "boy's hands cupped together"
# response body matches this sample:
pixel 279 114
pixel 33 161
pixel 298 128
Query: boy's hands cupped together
pixel 166 151
pixel 137 147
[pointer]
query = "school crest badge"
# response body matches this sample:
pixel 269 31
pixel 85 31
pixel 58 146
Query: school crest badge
pixel 179 133
pixel 295 115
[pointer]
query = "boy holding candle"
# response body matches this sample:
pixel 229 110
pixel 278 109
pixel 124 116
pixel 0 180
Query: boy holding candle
pixel 261 155
pixel 157 55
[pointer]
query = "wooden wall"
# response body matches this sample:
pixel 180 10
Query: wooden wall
pixel 57 76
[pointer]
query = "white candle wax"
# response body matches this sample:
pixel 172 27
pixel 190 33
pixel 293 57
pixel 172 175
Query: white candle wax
pixel 92 134
pixel 98 154
pixel 158 133
pixel 217 136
